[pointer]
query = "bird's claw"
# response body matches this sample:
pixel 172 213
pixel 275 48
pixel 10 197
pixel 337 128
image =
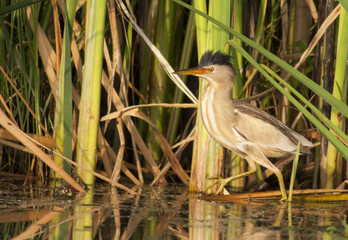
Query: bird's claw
pixel 223 182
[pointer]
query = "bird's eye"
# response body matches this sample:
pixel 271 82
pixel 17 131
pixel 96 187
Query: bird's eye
pixel 210 69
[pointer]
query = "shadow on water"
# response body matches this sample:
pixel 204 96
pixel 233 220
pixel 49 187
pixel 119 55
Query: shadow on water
pixel 160 213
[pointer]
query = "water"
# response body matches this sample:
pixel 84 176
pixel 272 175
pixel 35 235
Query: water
pixel 161 213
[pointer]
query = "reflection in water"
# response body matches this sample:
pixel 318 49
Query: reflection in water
pixel 84 212
pixel 160 213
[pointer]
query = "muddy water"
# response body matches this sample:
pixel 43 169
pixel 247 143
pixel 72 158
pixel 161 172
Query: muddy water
pixel 160 213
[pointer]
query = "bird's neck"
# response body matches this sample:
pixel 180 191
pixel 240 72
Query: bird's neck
pixel 218 93
pixel 217 101
pixel 217 107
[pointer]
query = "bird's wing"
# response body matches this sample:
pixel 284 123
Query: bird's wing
pixel 265 130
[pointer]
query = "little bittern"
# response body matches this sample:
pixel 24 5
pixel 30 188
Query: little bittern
pixel 239 126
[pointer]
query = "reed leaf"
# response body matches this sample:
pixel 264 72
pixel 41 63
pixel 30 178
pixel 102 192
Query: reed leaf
pixel 201 26
pixel 17 5
pixel 340 88
pixel 338 132
pixel 91 88
pixel 23 138
pixel 165 64
pixel 293 172
pixel 238 26
pixel 184 63
pixel 63 123
pixel 344 3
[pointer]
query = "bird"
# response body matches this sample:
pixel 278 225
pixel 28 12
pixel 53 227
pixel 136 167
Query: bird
pixel 239 126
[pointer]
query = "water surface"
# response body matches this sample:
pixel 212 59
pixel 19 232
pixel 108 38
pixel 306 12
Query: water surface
pixel 160 213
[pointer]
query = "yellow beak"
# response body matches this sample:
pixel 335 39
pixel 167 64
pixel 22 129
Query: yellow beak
pixel 192 71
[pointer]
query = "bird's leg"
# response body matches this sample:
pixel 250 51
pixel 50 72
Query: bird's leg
pixel 279 175
pixel 258 156
pixel 224 181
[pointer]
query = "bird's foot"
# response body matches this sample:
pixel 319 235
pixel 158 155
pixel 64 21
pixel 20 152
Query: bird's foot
pixel 284 199
pixel 222 181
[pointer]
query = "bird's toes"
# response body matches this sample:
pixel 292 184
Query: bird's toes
pixel 283 199
pixel 218 181
pixel 221 188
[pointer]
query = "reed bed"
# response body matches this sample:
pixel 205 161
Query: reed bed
pixel 93 95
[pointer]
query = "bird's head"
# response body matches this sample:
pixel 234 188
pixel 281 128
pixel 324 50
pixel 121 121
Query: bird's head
pixel 214 67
